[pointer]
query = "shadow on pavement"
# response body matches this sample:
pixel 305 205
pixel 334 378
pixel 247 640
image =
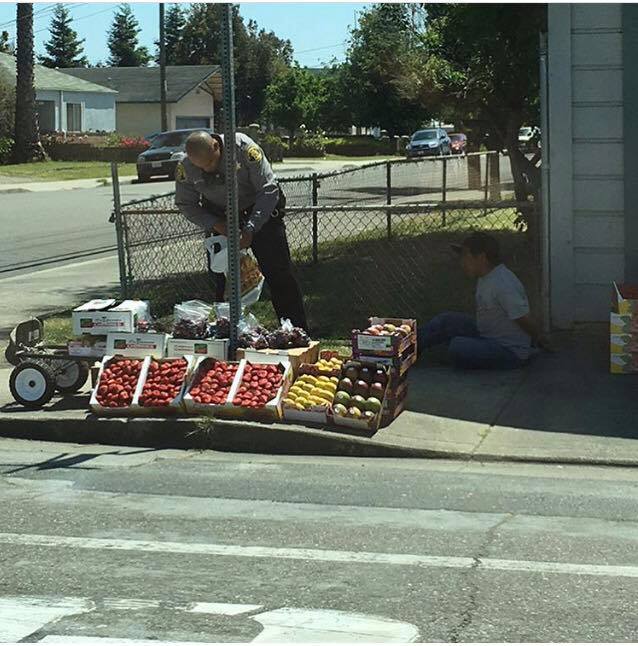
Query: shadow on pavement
pixel 570 391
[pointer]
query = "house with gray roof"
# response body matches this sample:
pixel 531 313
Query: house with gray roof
pixel 65 103
pixel 192 92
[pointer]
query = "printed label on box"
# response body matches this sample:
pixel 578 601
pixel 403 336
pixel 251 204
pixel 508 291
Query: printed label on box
pixel 371 343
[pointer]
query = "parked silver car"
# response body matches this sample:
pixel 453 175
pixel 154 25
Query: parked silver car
pixel 430 141
pixel 167 149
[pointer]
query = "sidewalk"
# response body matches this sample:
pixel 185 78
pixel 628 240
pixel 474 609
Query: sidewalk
pixel 565 408
pixel 292 166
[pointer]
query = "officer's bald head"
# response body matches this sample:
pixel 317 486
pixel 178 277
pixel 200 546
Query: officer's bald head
pixel 203 150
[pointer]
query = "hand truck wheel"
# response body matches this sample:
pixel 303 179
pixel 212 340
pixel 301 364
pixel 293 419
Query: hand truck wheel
pixel 70 376
pixel 32 383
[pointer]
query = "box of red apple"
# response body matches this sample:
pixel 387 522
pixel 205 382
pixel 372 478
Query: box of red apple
pixel 211 385
pixel 384 337
pixel 129 386
pixel 259 390
pixel 248 389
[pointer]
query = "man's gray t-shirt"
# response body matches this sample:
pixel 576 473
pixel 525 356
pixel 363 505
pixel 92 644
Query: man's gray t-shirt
pixel 500 299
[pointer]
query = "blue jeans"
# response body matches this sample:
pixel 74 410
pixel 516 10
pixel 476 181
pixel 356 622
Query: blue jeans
pixel 465 346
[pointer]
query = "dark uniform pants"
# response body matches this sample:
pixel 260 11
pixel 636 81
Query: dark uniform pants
pixel 270 246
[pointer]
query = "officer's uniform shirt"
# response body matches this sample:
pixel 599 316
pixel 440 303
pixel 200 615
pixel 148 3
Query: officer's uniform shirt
pixel 256 184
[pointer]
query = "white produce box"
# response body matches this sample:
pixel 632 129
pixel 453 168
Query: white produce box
pixel 136 344
pixel 101 316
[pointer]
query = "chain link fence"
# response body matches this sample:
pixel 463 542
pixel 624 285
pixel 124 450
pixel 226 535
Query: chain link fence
pixel 368 241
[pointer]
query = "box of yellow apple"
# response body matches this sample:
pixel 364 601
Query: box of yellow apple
pixel 310 397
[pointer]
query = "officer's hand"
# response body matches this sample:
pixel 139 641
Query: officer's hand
pixel 221 228
pixel 246 239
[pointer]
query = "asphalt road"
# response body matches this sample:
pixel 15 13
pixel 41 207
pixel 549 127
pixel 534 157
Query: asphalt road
pixel 57 227
pixel 200 547
pixel 51 228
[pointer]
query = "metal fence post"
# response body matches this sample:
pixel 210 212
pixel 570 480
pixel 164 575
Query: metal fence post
pixel 487 183
pixel 315 219
pixel 119 229
pixel 444 192
pixel 230 155
pixel 388 197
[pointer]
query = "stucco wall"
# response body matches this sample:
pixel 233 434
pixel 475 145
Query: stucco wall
pixel 196 103
pixel 138 119
pixel 98 110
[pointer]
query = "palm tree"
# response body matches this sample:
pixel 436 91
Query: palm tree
pixel 27 146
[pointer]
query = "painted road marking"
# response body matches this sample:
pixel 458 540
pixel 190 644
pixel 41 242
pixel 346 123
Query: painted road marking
pixel 19 617
pixel 329 556
pixel 300 625
pixel 228 609
pixel 31 614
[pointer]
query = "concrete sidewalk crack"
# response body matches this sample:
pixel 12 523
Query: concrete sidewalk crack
pixel 469 610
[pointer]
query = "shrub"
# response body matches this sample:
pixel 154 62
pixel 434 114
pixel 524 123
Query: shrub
pixel 134 142
pixel 307 146
pixel 360 146
pixel 6 143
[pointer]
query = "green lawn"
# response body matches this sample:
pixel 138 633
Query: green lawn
pixel 51 171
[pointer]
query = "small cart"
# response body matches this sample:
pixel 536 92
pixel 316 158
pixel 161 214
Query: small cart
pixel 40 369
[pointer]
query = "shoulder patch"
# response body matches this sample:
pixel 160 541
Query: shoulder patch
pixel 254 154
pixel 180 172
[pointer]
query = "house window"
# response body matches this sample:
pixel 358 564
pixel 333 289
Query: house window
pixel 74 117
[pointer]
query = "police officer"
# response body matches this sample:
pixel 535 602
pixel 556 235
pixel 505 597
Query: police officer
pixel 200 194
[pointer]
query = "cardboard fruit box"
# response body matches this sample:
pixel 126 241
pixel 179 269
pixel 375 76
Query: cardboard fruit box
pixel 126 411
pixel 272 410
pixel 363 425
pixel 136 344
pixel 87 346
pixel 316 414
pixel 216 348
pixel 624 298
pixel 294 356
pixel 398 366
pixel 193 407
pixel 101 316
pixel 383 346
pixel 176 405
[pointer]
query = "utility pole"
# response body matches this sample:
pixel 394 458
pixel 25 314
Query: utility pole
pixel 162 68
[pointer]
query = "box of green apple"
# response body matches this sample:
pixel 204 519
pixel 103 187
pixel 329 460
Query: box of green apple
pixel 361 393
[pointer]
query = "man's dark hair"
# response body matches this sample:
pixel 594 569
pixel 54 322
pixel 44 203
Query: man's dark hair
pixel 479 243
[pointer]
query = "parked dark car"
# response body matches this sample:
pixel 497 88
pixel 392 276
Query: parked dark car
pixel 431 141
pixel 458 143
pixel 167 149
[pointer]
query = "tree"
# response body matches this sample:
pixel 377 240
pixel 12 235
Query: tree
pixel 258 55
pixel 267 57
pixel 5 46
pixel 480 63
pixel 123 42
pixel 64 49
pixel 7 106
pixel 27 145
pixel 293 98
pixel 173 28
pixel 380 48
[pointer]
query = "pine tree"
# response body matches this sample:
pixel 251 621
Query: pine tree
pixel 5 47
pixel 175 21
pixel 122 40
pixel 64 49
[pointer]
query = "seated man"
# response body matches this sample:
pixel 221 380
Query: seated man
pixel 503 333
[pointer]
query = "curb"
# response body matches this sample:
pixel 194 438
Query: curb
pixel 199 433
pixel 250 437
pixel 99 183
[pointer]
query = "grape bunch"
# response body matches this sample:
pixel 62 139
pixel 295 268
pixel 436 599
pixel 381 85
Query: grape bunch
pixel 190 329
pixel 223 328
